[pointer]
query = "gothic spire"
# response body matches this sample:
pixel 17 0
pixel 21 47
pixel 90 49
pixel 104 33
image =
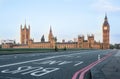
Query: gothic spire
pixel 50 34
pixel 50 29
pixel 106 21
pixel 105 17
pixel 25 23
pixel 21 26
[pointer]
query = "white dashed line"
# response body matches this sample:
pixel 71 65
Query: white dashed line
pixel 42 59
pixel 78 63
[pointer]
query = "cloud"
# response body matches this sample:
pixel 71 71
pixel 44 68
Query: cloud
pixel 105 5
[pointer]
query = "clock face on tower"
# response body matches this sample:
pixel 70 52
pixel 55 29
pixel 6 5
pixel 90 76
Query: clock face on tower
pixel 105 28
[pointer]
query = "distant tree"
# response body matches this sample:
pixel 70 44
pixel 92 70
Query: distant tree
pixel 64 49
pixel 56 48
pixel 55 38
pixel 117 46
pixel 112 46
pixel 14 42
pixel 0 46
pixel 43 39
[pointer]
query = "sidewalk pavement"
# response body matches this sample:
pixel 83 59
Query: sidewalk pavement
pixel 108 69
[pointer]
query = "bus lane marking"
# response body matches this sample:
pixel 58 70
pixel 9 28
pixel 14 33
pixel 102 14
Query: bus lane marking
pixel 33 71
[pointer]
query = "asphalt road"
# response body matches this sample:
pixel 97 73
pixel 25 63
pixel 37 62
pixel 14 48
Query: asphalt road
pixel 52 65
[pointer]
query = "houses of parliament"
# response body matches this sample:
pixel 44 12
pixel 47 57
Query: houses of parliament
pixel 90 43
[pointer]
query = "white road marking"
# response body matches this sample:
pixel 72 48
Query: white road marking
pixel 15 56
pixel 78 63
pixel 44 71
pixel 43 59
pixel 65 62
pixel 34 71
pixel 49 62
pixel 78 56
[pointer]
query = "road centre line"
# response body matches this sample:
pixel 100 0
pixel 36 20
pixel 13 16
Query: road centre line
pixel 78 63
pixel 7 65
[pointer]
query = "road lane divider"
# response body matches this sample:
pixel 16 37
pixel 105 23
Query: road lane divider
pixel 83 71
pixel 78 63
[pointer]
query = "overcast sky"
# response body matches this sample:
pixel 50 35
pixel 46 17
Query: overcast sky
pixel 68 18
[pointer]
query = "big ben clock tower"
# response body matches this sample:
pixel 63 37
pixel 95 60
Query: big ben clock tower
pixel 106 34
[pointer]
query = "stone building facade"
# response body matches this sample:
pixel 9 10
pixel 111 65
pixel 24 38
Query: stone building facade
pixel 90 43
pixel 25 34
